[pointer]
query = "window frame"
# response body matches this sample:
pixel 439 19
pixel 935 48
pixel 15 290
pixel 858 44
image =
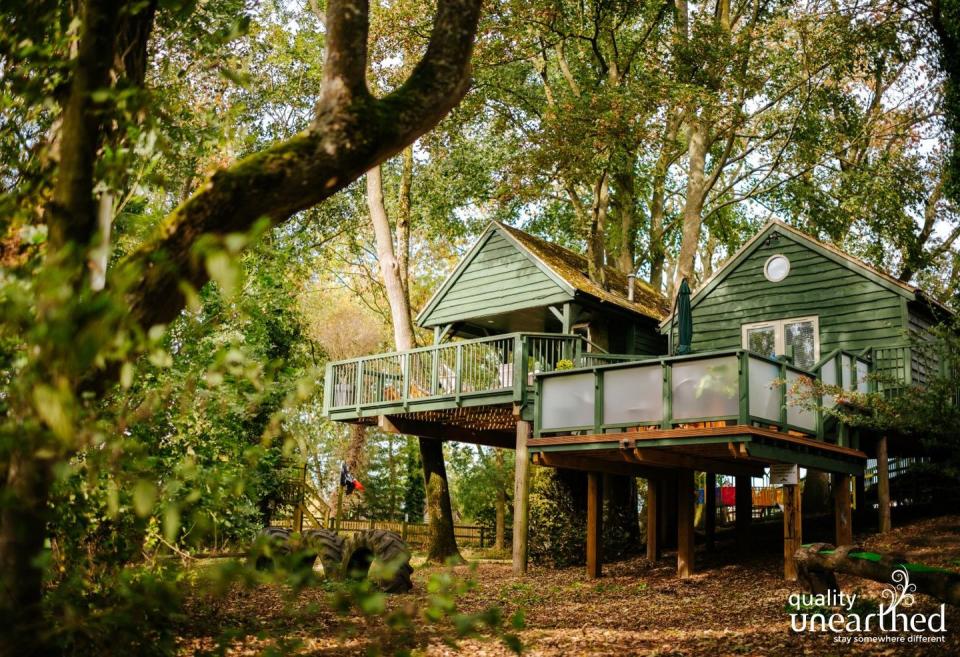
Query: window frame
pixel 766 268
pixel 780 334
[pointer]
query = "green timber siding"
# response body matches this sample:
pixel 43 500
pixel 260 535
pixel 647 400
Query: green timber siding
pixel 647 340
pixel 500 278
pixel 854 312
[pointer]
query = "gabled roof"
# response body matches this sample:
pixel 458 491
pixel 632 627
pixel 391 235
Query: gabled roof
pixel 564 267
pixel 910 292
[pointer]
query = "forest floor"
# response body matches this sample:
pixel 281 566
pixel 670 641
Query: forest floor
pixel 736 604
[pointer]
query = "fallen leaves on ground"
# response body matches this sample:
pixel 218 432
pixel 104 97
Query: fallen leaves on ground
pixel 736 605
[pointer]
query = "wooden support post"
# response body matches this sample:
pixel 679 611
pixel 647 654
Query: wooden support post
pixel 710 507
pixel 792 530
pixel 521 499
pixel 653 495
pixel 744 510
pixel 685 503
pixel 860 500
pixel 668 517
pixel 841 509
pixel 883 485
pixel 594 522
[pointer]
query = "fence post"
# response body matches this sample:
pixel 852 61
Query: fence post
pixel 356 393
pixel 481 537
pixel 403 531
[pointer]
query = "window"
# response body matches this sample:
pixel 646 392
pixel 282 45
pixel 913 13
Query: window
pixel 776 268
pixel 775 337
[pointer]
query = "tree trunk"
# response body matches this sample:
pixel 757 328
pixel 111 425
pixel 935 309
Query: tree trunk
pixel 390 269
pixel 443 542
pixel 708 253
pixel 817 571
pixel 596 236
pixel 403 220
pixel 693 205
pixel 22 532
pixel 658 195
pixel 625 190
pixel 501 506
pixel 816 492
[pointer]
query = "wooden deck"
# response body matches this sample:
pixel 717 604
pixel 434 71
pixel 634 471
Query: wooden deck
pixel 491 372
pixel 735 450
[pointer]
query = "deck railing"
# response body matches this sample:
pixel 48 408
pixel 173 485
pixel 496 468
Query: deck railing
pixel 501 367
pixel 734 386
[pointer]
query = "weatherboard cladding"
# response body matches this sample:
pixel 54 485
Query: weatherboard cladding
pixel 510 270
pixel 498 279
pixel 854 312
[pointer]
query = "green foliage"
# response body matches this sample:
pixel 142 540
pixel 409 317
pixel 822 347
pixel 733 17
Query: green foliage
pixel 414 493
pixel 479 475
pixel 928 413
pixel 557 518
pixel 392 475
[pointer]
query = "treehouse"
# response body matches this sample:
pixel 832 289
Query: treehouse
pixel 532 354
pixel 515 306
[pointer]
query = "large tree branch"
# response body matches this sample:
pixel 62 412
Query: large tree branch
pixel 351 133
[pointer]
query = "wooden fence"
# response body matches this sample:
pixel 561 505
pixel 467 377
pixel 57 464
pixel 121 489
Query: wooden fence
pixel 417 533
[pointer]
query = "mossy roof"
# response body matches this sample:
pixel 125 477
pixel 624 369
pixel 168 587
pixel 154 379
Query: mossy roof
pixel 572 268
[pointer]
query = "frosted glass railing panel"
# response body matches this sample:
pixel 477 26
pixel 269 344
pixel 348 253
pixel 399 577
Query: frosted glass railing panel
pixel 705 388
pixel 828 374
pixel 568 401
pixel 846 364
pixel 863 386
pixel 764 396
pixel 797 415
pixel 633 395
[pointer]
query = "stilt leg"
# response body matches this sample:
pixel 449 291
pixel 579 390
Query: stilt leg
pixel 883 485
pixel 521 500
pixel 594 521
pixel 792 537
pixel 653 494
pixel 684 523
pixel 841 509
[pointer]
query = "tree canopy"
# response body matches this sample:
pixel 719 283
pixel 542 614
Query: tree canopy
pixel 186 239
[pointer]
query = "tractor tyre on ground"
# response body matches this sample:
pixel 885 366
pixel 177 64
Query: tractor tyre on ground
pixel 380 555
pixel 278 541
pixel 328 547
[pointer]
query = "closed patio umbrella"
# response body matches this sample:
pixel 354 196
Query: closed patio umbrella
pixel 684 320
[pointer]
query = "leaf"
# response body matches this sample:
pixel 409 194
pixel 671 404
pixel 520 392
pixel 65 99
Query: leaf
pixel 144 496
pixel 126 375
pixel 224 271
pixel 171 523
pixel 53 407
pixel 113 498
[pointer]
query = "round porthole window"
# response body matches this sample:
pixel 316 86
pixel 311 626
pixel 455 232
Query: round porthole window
pixel 776 268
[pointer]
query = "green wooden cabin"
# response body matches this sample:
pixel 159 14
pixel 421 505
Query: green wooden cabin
pixel 514 306
pixel 530 353
pixel 785 291
pixel 511 282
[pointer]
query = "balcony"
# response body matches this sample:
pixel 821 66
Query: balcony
pixel 724 411
pixel 716 388
pixel 493 371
